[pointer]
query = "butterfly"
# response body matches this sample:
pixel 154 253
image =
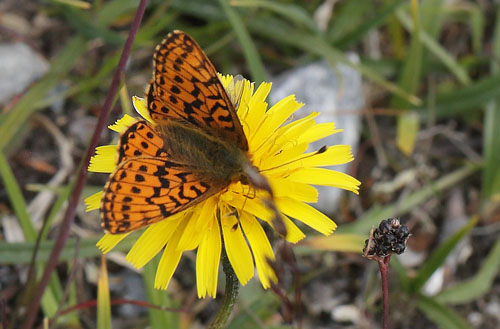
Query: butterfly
pixel 196 148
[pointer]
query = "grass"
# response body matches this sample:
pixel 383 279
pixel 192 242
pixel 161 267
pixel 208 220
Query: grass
pixel 421 71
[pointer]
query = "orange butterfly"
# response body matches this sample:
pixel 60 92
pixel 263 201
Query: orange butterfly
pixel 197 148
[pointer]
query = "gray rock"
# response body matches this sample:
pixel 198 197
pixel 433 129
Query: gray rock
pixel 19 67
pixel 338 95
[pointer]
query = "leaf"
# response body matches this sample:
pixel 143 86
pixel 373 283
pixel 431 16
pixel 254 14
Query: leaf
pixel 438 256
pixel 408 126
pixel 249 50
pixel 103 299
pixel 294 13
pixel 377 213
pixel 444 317
pixel 478 285
pixel 158 319
pixel 335 242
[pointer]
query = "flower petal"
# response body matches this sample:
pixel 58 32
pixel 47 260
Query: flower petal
pixel 104 159
pixel 319 131
pixel 123 123
pixel 237 249
pixel 93 202
pixel 141 106
pixel 300 191
pixel 153 240
pixel 169 260
pixel 195 229
pixel 322 176
pixel 275 117
pixel 207 260
pixel 334 155
pixel 261 248
pixel 257 208
pixel 306 214
pixel 258 106
pixel 109 241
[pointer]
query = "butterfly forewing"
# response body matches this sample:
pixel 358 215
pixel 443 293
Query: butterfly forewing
pixel 144 190
pixel 185 87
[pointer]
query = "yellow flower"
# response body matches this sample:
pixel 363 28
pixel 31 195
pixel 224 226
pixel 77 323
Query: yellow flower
pixel 278 149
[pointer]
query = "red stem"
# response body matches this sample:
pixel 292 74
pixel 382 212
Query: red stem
pixel 69 216
pixel 383 264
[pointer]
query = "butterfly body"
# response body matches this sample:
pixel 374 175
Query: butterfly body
pixel 206 155
pixel 195 148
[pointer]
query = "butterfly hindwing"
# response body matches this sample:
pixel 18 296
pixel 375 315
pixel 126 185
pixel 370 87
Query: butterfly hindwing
pixel 144 190
pixel 185 87
pixel 140 139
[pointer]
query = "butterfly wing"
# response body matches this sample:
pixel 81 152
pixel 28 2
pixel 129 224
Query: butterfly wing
pixel 185 87
pixel 145 190
pixel 140 139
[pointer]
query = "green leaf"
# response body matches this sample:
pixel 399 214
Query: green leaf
pixel 438 256
pixel 294 13
pixel 437 50
pixel 314 44
pixel 21 252
pixel 380 16
pixel 408 126
pixel 442 316
pixel 478 285
pixel 377 213
pixel 249 50
pixel 158 319
pixel 103 299
pixel 16 198
pixel 334 242
pixel 255 305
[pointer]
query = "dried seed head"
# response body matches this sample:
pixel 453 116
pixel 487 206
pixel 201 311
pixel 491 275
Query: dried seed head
pixel 389 237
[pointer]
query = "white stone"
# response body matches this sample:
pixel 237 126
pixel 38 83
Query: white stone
pixel 338 95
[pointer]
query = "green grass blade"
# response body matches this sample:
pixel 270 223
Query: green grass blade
pixel 437 50
pixel 442 316
pixel 50 299
pixel 377 213
pixel 16 198
pixel 314 44
pixel 158 319
pixel 438 256
pixel 21 252
pixel 379 18
pixel 103 299
pixel 294 13
pixel 252 56
pixel 468 98
pixel 491 137
pixel 408 124
pixel 477 286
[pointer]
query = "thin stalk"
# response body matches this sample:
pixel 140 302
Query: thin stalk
pixel 230 295
pixel 69 216
pixel 383 264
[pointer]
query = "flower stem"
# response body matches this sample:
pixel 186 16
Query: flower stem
pixel 383 264
pixel 230 294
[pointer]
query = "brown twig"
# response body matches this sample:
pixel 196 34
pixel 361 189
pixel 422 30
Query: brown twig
pixel 34 305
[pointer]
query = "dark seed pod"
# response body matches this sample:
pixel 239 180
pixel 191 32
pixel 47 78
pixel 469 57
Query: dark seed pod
pixel 384 227
pixel 399 248
pixel 403 233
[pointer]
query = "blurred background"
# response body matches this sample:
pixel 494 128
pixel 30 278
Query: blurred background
pixel 414 84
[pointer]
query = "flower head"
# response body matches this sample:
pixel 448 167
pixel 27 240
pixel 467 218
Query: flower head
pixel 233 219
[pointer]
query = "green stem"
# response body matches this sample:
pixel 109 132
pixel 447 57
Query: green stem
pixel 230 294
